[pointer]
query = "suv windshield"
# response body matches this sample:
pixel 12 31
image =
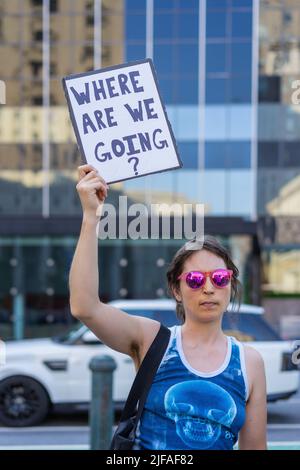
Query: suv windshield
pixel 71 335
pixel 248 327
pixel 166 317
pixel 243 326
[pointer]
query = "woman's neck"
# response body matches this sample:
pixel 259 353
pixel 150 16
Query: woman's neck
pixel 202 334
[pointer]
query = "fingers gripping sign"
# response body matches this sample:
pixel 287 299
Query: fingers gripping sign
pixel 92 189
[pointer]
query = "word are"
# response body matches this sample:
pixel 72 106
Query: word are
pixel 105 118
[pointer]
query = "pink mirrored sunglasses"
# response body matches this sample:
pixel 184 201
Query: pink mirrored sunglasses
pixel 195 279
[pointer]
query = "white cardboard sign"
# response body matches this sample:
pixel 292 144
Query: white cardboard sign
pixel 120 122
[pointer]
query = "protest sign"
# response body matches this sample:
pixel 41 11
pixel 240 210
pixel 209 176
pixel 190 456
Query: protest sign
pixel 120 122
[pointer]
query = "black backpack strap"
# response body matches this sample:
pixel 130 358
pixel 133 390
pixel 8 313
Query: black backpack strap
pixel 145 375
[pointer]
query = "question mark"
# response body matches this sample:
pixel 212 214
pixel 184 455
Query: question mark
pixel 135 164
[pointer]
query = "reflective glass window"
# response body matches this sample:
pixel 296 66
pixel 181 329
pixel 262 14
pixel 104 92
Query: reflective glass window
pixel 187 59
pixel 241 58
pixel 187 25
pixel 214 190
pixel 241 3
pixel 239 192
pixel 228 154
pixel 135 52
pixel 135 26
pixel 166 87
pixel 188 152
pixel 134 5
pixel 268 154
pixel 164 56
pixel 163 26
pixel 186 91
pixel 217 4
pixel 186 122
pixel 217 90
pixel 241 24
pixel 215 58
pixel 216 24
pixel 240 89
pixel 269 89
pixel 290 154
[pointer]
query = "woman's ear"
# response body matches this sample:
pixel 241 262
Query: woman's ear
pixel 177 294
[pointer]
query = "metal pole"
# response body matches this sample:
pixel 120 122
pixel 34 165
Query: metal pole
pixel 201 97
pixel 149 28
pixel 18 291
pixel 46 108
pixel 97 34
pixel 19 314
pixel 254 106
pixel 101 409
pixel 149 55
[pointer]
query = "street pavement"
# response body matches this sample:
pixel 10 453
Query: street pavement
pixel 72 432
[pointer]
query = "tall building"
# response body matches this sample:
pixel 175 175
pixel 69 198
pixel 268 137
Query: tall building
pixel 225 71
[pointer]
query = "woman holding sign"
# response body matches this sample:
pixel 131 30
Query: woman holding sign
pixel 209 390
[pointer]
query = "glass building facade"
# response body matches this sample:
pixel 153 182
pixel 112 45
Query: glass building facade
pixel 278 190
pixel 225 70
pixel 202 52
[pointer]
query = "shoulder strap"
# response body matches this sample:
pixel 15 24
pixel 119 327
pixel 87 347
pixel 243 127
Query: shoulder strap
pixel 145 375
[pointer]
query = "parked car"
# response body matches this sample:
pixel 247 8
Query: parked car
pixel 53 374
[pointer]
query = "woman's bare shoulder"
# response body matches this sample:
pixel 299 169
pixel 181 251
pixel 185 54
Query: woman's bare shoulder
pixel 252 356
pixel 254 365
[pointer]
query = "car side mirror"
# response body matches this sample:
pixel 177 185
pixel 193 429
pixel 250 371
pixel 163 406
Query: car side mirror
pixel 90 338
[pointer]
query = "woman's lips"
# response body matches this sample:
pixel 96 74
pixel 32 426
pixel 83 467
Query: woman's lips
pixel 208 304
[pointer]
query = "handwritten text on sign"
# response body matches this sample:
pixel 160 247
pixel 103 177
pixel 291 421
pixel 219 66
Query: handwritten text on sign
pixel 120 122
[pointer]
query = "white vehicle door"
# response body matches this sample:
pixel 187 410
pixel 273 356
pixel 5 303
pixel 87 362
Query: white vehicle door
pixel 80 375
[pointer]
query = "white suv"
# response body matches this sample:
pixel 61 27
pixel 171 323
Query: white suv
pixel 51 374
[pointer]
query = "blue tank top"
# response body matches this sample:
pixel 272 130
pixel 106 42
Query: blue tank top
pixel 191 410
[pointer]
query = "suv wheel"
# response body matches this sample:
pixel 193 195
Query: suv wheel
pixel 23 402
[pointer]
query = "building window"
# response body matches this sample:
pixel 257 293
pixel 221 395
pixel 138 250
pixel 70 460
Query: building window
pixel 228 155
pixel 36 67
pixel 37 100
pixel 216 58
pixel 217 90
pixel 240 89
pixel 268 154
pixel 53 5
pixel 38 35
pixel 188 152
pixel 269 89
pixel 241 58
pixel 216 24
pixel 242 24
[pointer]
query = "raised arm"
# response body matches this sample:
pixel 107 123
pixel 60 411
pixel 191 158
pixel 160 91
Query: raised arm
pixel 120 331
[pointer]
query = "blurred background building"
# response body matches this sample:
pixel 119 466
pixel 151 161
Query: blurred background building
pixel 225 70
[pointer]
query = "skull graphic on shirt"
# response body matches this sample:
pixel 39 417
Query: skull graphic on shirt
pixel 199 408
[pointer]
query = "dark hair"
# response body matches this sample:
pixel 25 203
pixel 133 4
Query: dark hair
pixel 175 268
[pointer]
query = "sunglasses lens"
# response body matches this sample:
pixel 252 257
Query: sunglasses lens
pixel 195 280
pixel 221 278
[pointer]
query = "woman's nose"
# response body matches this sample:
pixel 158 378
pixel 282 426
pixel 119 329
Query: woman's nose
pixel 208 286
